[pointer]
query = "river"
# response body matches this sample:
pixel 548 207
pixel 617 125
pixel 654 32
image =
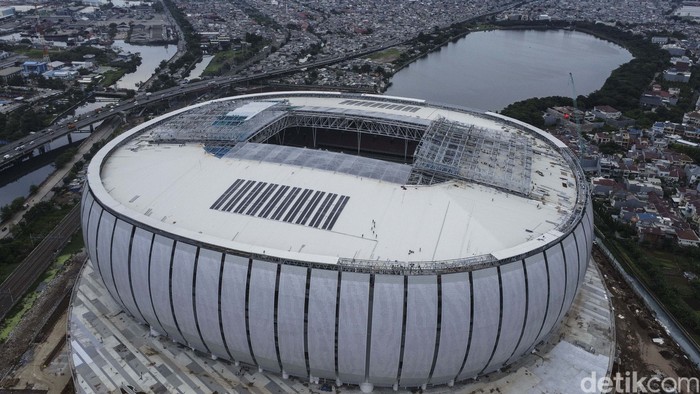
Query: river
pixel 151 56
pixel 16 183
pixel 490 69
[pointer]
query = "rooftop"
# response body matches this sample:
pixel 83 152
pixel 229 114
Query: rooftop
pixel 322 206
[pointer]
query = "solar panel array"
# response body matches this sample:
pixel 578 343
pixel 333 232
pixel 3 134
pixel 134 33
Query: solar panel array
pixel 307 207
pixel 377 104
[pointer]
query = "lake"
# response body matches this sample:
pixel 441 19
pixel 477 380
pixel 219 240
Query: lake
pixel 490 69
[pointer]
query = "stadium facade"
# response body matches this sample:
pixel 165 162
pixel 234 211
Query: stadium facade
pixel 369 240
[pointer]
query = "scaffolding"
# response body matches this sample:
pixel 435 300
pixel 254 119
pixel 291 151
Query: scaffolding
pixel 452 150
pixel 214 124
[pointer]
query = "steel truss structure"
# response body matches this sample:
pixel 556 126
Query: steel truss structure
pixel 451 150
pixel 270 122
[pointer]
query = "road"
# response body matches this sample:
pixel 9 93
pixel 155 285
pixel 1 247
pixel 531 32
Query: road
pixel 16 150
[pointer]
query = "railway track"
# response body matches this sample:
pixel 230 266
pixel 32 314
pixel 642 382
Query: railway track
pixel 23 277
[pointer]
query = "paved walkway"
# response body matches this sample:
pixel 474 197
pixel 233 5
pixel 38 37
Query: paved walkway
pixel 109 349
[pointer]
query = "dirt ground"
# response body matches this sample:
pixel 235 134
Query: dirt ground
pixel 34 356
pixel 636 332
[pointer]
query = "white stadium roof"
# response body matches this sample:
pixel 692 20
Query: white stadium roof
pixel 346 206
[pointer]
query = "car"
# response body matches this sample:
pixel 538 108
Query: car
pixel 31 142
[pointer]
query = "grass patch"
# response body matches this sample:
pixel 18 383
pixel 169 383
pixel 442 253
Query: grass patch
pixel 16 315
pixel 111 77
pixel 220 59
pixel 32 53
pixel 75 245
pixel 386 56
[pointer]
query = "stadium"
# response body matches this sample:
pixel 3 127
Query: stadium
pixel 364 239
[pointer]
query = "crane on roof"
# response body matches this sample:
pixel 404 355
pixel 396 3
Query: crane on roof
pixel 581 145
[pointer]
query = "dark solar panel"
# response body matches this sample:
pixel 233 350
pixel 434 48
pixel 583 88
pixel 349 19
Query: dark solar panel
pixel 414 109
pixel 226 194
pixel 237 195
pixel 335 213
pixel 290 204
pixel 273 202
pixel 263 197
pixel 249 198
pixel 316 220
pixel 285 203
pixel 310 207
pixel 297 205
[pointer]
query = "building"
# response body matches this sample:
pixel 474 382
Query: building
pixel 285 231
pixel 33 67
pixel 606 112
pixel 10 72
pixel 7 12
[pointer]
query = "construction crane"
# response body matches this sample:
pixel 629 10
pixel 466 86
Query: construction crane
pixel 40 31
pixel 581 145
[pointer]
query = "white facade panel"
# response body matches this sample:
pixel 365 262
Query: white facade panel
pixel 537 294
pixel 321 327
pixel 589 214
pixel 93 223
pixel 421 330
pixel 233 295
pixel 207 300
pixel 513 279
pixel 160 285
pixel 261 314
pixel 572 271
pixel 582 252
pixel 487 310
pixel 182 288
pixel 140 276
pixel 290 319
pixel 104 254
pixel 557 284
pixel 589 231
pixel 352 326
pixel 454 327
pixel 120 266
pixel 387 322
pixel 85 208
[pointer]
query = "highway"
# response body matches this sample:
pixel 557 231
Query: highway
pixel 16 150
